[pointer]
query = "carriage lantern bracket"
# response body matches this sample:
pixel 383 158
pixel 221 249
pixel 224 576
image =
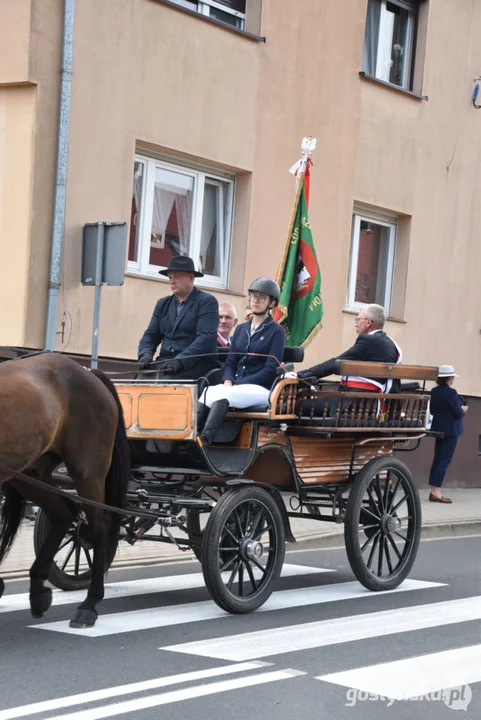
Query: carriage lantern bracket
pixel 104 245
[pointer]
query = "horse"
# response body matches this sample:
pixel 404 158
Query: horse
pixel 53 411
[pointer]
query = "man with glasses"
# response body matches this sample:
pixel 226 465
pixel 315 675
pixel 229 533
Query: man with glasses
pixel 372 345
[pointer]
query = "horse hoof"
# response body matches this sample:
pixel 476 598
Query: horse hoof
pixel 2 587
pixel 83 619
pixel 39 604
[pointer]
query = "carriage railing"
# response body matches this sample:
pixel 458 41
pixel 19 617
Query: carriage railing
pixel 362 411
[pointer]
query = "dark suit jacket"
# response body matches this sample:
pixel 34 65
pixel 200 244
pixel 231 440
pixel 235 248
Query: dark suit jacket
pixel 446 411
pixel 268 339
pixel 377 347
pixel 194 332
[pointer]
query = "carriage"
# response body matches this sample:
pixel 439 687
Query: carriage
pixel 312 452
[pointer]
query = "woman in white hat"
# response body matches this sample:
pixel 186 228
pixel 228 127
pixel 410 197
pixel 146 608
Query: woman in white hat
pixel 448 411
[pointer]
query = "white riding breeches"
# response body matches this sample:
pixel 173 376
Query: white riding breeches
pixel 239 396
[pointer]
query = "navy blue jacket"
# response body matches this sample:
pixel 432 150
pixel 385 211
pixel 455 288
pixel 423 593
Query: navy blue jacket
pixel 268 339
pixel 194 332
pixel 446 411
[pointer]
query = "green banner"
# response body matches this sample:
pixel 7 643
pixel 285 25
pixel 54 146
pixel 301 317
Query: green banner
pixel 300 309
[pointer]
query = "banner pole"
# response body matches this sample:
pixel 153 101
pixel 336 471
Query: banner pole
pixel 307 147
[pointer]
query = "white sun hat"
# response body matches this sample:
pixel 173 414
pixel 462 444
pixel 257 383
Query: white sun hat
pixel 446 371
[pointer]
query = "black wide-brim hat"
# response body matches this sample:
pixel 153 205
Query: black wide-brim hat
pixel 181 263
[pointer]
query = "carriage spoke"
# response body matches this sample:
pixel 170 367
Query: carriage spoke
pixel 393 495
pixel 68 539
pixel 233 574
pixel 251 576
pixel 238 522
pixel 393 509
pixel 401 535
pixel 375 507
pixel 386 491
pixel 248 512
pixel 258 565
pixel 388 557
pixel 241 579
pixel 255 523
pixel 77 559
pixel 378 490
pixel 380 556
pixel 227 565
pixel 376 517
pixel 87 555
pixel 228 549
pixel 369 540
pixel 373 549
pixel 236 540
pixel 394 547
pixel 68 556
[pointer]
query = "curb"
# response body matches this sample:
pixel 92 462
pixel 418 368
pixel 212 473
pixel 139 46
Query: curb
pixel 316 541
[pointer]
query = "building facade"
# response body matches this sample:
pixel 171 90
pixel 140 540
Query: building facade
pixel 185 116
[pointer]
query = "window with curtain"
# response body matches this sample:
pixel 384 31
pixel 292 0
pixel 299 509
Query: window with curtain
pixel 178 210
pixel 389 40
pixel 372 262
pixel 231 12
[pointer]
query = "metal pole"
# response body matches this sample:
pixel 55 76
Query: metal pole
pixel 61 174
pixel 98 291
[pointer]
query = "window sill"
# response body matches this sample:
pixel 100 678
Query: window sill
pixel 201 286
pixel 213 21
pixel 347 311
pixel 396 88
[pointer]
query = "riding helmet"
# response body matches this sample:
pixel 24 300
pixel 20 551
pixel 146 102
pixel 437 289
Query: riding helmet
pixel 267 286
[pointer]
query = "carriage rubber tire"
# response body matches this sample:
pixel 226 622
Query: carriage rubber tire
pixel 351 524
pixel 56 576
pixel 211 537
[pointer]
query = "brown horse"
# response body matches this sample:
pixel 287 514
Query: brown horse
pixel 52 410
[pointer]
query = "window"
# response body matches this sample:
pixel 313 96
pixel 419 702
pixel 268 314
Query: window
pixel 231 12
pixel 372 262
pixel 389 40
pixel 178 210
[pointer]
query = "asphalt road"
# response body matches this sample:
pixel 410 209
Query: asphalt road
pixel 162 648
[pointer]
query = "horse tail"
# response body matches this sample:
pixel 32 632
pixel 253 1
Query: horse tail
pixel 12 513
pixel 119 472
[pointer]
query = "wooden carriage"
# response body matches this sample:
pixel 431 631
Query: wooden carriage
pixel 311 452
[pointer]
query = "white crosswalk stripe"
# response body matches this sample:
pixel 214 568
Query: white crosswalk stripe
pixel 20 601
pixel 411 677
pixel 265 643
pixel 136 620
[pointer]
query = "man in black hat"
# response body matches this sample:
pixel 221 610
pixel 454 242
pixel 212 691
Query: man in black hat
pixel 184 323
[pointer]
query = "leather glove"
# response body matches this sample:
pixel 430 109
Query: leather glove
pixel 171 367
pixel 144 362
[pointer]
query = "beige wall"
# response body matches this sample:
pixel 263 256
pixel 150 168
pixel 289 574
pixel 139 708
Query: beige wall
pixel 147 74
pixel 15 19
pixel 17 108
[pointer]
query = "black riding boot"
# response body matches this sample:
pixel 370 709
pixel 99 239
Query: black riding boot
pixel 214 420
pixel 202 414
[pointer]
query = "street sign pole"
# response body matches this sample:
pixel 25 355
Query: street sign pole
pixel 94 363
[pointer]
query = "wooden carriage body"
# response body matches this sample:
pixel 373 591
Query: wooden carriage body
pixel 305 437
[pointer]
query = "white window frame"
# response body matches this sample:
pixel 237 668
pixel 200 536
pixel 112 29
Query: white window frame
pixel 225 183
pixel 204 6
pixel 390 223
pixel 385 42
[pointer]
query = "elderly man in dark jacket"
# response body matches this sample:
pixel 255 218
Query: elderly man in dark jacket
pixel 184 323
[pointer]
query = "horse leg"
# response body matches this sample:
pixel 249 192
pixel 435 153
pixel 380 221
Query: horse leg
pixel 99 525
pixel 2 587
pixel 61 517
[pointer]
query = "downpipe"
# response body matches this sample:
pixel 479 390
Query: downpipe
pixel 58 228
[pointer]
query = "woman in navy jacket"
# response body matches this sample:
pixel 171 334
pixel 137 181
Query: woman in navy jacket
pixel 256 350
pixel 448 412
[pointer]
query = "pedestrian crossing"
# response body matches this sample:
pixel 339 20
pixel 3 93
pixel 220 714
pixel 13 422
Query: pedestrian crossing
pixel 274 651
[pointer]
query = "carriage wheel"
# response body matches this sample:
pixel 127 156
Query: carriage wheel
pixel 243 549
pixel 383 524
pixel 71 566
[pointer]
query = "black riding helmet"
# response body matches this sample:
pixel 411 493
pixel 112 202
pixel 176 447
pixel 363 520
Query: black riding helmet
pixel 268 287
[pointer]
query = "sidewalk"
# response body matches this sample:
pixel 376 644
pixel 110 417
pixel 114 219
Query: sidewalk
pixel 463 517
